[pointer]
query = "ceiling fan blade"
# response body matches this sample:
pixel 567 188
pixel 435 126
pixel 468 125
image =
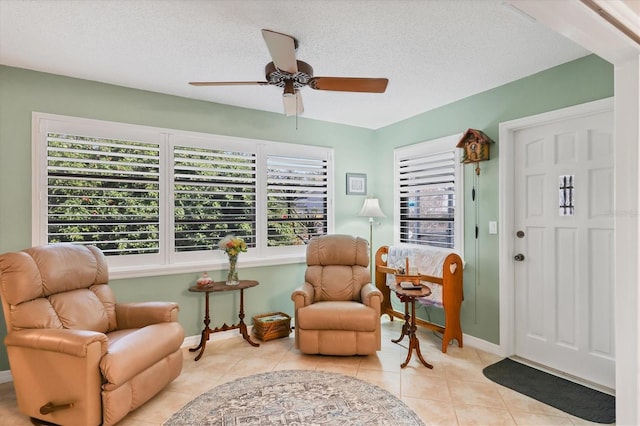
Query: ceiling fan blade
pixel 282 48
pixel 292 104
pixel 349 84
pixel 228 83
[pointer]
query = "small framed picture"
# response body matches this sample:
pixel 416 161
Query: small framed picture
pixel 356 184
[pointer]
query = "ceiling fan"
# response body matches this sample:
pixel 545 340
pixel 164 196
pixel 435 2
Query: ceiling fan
pixel 291 74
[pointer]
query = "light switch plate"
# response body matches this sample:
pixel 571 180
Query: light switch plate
pixel 493 227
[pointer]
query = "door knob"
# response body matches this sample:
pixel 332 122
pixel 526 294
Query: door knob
pixel 519 257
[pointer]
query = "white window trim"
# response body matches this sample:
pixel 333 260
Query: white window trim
pixel 434 146
pixel 167 261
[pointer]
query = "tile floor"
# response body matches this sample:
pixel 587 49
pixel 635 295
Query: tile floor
pixel 455 392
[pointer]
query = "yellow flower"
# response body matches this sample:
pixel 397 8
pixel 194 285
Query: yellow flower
pixel 232 245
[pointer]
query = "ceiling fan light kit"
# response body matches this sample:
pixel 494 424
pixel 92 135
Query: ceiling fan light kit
pixel 291 75
pixel 277 77
pixel 289 89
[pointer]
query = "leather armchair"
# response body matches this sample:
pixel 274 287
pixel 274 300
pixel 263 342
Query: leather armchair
pixel 337 309
pixel 77 357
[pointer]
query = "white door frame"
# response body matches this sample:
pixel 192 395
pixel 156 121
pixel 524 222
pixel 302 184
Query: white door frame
pixel 577 22
pixel 506 177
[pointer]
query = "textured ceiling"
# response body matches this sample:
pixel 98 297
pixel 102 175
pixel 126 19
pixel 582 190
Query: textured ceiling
pixel 433 51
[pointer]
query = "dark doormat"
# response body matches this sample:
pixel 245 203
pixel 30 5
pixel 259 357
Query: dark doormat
pixel 572 398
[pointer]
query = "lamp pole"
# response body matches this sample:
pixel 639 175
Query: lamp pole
pixel 371 208
pixel 371 247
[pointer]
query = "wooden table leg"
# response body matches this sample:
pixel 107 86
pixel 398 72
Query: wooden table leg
pixel 405 326
pixel 241 324
pixel 414 343
pixel 205 332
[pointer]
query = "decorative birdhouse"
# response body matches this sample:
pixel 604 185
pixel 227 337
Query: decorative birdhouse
pixel 475 145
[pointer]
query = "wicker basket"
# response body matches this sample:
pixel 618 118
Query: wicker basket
pixel 271 326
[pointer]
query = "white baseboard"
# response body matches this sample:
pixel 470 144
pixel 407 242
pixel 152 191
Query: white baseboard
pixel 193 341
pixel 482 345
pixel 5 376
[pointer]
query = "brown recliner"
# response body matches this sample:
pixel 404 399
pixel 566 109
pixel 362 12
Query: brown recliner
pixel 76 356
pixel 337 309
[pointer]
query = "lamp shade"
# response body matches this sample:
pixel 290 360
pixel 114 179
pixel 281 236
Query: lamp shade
pixel 371 208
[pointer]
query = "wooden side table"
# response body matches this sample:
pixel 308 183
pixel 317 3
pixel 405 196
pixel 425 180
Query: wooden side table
pixel 408 297
pixel 241 326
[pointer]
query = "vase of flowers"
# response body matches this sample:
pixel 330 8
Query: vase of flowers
pixel 233 246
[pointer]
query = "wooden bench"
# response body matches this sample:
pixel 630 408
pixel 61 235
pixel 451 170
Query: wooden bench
pixel 452 294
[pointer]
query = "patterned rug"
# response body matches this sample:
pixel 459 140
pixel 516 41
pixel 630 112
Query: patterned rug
pixel 296 397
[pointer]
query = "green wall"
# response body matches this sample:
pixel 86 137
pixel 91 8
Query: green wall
pixel 583 80
pixel 22 92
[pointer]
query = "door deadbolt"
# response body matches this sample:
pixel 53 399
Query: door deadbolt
pixel 520 234
pixel 519 257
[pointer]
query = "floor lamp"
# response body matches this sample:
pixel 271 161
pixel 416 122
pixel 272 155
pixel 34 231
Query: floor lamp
pixel 371 209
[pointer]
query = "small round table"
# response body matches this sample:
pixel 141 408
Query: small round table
pixel 409 327
pixel 217 287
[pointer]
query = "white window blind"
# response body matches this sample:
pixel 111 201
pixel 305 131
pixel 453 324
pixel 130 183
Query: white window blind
pixel 296 199
pixel 214 195
pixel 428 191
pixel 159 200
pixel 103 192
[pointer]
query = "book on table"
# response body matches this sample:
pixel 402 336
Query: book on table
pixel 407 285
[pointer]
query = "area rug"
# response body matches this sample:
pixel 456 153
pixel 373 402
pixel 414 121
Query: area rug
pixel 570 397
pixel 296 397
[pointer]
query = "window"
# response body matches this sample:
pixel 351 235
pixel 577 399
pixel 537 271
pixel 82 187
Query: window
pixel 296 199
pixel 214 194
pixel 428 194
pixel 158 200
pixel 104 192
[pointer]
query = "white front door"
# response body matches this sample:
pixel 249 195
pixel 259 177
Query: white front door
pixel 564 247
